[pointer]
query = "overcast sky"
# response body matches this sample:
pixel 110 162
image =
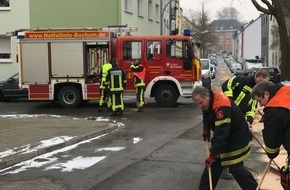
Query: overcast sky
pixel 245 7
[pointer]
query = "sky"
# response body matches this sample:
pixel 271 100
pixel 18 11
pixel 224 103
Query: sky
pixel 245 7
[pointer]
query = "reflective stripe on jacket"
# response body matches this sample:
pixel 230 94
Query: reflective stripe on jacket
pixel 116 80
pixel 239 90
pixel 106 67
pixel 139 71
pixel 276 130
pixel 230 141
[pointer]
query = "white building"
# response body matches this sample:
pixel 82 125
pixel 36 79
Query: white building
pixel 14 15
pixel 270 41
pixel 251 40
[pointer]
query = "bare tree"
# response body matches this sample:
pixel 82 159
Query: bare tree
pixel 228 13
pixel 280 9
pixel 203 32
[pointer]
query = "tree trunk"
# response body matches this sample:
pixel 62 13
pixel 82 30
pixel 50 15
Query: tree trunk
pixel 284 42
pixel 280 9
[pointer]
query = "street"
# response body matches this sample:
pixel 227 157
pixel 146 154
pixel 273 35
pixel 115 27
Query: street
pixel 160 148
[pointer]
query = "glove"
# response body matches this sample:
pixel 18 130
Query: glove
pixel 209 161
pixel 206 135
pixel 283 177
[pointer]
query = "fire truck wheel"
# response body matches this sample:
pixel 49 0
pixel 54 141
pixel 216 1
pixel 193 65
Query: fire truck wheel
pixel 69 97
pixel 166 95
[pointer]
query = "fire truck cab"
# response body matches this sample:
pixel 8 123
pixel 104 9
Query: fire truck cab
pixel 63 65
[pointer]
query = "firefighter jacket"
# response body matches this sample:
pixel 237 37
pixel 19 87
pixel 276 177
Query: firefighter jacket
pixel 276 130
pixel 230 141
pixel 239 90
pixel 116 80
pixel 103 74
pixel 139 73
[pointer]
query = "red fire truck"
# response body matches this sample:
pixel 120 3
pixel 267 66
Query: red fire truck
pixel 62 65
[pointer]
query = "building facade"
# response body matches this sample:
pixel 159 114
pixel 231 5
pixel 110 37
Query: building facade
pixel 225 31
pixel 143 14
pixel 270 41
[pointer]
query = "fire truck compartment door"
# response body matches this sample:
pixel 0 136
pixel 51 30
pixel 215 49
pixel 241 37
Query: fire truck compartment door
pixel 34 63
pixel 67 59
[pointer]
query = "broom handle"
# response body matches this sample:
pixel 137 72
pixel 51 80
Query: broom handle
pixel 265 172
pixel 209 169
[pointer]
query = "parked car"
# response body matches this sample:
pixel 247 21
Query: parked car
pixel 212 71
pixel 235 66
pixel 274 74
pixel 251 65
pixel 9 89
pixel 205 73
pixel 213 61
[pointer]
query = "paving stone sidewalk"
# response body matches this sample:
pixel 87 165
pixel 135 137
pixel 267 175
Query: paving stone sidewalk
pixel 17 134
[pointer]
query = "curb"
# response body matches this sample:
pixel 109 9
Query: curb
pixel 15 159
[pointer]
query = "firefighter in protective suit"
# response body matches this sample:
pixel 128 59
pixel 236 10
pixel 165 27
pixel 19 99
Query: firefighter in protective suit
pixel 276 132
pixel 116 81
pixel 104 90
pixel 139 72
pixel 230 144
pixel 239 90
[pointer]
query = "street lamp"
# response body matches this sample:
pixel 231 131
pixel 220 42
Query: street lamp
pixel 172 15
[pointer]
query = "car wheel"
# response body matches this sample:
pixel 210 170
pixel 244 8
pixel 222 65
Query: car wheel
pixel 69 97
pixel 166 95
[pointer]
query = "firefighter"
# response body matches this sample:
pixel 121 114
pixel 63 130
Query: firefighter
pixel 239 90
pixel 104 90
pixel 139 76
pixel 116 81
pixel 276 132
pixel 230 144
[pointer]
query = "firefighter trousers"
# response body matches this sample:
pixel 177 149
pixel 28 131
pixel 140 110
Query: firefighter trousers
pixel 105 97
pixel 117 102
pixel 243 177
pixel 140 96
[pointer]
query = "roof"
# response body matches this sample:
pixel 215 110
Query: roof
pixel 232 24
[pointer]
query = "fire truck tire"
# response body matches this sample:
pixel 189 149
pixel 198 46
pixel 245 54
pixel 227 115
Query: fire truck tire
pixel 166 96
pixel 69 97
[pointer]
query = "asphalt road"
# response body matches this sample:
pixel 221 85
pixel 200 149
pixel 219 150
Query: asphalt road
pixel 160 148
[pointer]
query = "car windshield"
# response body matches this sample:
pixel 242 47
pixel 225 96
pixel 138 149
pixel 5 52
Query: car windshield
pixel 15 77
pixel 204 64
pixel 236 65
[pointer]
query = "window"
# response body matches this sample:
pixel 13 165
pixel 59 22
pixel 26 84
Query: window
pixel 5 49
pixel 174 49
pixel 132 50
pixel 157 13
pixel 154 50
pixel 128 5
pixel 140 8
pixel 150 10
pixel 4 3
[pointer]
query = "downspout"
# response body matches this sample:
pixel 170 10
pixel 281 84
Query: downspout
pixel 119 12
pixel 161 17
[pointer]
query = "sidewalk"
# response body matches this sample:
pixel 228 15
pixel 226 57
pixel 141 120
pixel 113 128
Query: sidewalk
pixel 23 137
